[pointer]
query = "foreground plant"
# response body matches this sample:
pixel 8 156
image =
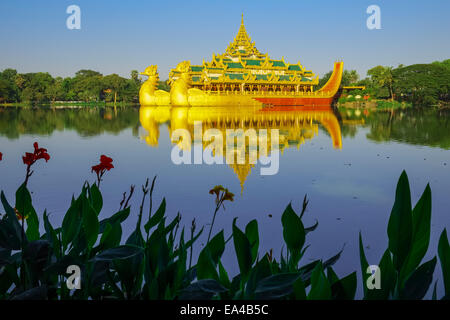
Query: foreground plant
pixel 403 275
pixel 152 263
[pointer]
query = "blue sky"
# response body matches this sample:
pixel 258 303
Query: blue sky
pixel 119 36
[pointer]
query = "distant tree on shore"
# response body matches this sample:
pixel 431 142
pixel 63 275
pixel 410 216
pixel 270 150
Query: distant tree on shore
pixel 86 85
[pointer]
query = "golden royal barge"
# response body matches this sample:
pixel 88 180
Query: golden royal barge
pixel 240 76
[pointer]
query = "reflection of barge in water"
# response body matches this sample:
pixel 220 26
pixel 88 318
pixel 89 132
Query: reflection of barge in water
pixel 295 125
pixel 240 76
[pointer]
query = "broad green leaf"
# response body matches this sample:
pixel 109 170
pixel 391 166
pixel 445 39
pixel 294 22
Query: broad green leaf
pixel 364 266
pixel 293 232
pixel 111 236
pixel 312 228
pixel 243 250
pixel 276 286
pixel 96 198
pixel 118 253
pixel 388 278
pixel 400 223
pixel 216 247
pixel 421 222
pixel 90 222
pixel 223 276
pixel 206 268
pixel 417 285
pixel 251 231
pixel 156 218
pixel 9 238
pixel 51 235
pixel 320 286
pixel 343 289
pixel 260 271
pixel 444 257
pixel 25 207
pixel 299 289
pixel 117 217
pixel 71 224
pixel 10 228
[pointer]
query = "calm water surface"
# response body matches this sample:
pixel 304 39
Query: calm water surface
pixel 346 161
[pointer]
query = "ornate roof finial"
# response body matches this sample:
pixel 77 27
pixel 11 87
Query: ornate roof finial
pixel 242 44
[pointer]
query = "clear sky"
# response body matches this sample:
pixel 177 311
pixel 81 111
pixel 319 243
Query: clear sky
pixel 119 36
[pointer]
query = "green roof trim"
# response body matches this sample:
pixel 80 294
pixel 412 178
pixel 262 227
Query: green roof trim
pixel 294 67
pixel 285 78
pixel 305 79
pixel 252 62
pixel 196 79
pixel 278 63
pixel 235 76
pixel 261 77
pixel 196 68
pixel 235 65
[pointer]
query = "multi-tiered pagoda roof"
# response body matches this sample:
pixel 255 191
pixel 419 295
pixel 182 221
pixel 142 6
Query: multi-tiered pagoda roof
pixel 243 64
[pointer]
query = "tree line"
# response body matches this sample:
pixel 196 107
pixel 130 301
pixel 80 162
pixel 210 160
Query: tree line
pixel 419 84
pixel 86 85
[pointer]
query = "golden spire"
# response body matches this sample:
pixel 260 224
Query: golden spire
pixel 242 44
pixel 242 37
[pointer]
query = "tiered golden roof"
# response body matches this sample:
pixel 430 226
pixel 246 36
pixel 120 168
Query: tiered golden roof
pixel 243 64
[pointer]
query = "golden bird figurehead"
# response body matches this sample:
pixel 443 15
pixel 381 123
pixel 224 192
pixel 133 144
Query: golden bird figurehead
pixel 183 67
pixel 151 71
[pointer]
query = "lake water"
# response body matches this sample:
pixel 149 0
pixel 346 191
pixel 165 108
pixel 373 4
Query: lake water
pixel 347 162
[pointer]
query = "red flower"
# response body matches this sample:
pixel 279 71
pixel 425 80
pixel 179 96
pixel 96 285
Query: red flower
pixel 104 165
pixel 39 153
pixel 30 158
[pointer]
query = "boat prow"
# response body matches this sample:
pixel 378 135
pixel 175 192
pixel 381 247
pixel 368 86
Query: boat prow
pixel 322 97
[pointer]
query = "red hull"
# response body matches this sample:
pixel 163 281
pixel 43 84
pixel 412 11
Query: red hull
pixel 328 92
pixel 296 101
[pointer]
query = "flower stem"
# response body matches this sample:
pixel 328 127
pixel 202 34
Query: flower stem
pixel 214 219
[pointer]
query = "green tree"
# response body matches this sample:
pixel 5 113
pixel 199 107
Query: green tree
pixel 382 77
pixel 9 92
pixel 115 85
pixel 423 84
pixel 135 77
pixel 349 77
pixel 88 85
pixel 36 87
